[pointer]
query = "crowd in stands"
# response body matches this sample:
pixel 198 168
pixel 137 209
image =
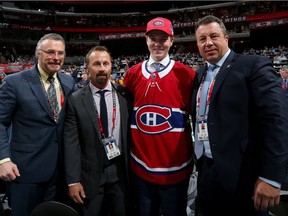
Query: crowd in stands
pixel 133 20
pixel 277 54
pixel 93 20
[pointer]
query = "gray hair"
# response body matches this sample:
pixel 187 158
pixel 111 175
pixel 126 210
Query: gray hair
pixel 50 36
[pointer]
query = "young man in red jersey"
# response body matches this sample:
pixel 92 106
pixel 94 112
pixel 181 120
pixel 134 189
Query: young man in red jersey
pixel 161 149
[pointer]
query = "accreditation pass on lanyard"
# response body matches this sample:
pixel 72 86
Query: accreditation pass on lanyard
pixel 202 130
pixel 202 120
pixel 110 145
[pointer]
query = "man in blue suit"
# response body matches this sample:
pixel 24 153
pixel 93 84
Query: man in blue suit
pixel 241 138
pixel 31 160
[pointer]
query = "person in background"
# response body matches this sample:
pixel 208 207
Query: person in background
pixel 281 57
pixel 2 76
pixel 284 75
pixel 241 128
pixel 98 184
pixel 74 73
pixel 161 149
pixel 31 161
pixel 84 81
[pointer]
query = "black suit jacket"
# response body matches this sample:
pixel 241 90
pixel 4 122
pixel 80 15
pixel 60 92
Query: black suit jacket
pixel 247 121
pixel 82 138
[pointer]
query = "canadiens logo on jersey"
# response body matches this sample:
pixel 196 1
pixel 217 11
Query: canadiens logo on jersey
pixel 155 119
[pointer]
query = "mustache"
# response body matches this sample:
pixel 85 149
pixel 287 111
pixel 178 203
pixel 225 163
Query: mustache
pixel 101 74
pixel 55 63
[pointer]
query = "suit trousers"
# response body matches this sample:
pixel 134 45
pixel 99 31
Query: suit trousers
pixel 26 196
pixel 214 199
pixel 112 193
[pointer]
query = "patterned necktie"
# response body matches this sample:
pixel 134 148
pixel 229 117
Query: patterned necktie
pixel 199 145
pixel 103 112
pixel 157 66
pixel 52 96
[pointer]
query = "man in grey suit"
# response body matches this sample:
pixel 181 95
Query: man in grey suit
pixel 30 161
pixel 98 184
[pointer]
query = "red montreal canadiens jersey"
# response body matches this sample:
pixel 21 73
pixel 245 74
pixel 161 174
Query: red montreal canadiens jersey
pixel 162 147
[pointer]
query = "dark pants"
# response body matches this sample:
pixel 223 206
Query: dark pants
pixel 214 199
pixel 111 197
pixel 167 200
pixel 25 197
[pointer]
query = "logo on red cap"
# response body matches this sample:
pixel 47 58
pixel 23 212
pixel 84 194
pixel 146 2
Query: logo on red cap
pixel 161 24
pixel 158 23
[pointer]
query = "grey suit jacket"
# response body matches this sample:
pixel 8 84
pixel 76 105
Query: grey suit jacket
pixel 82 138
pixel 36 138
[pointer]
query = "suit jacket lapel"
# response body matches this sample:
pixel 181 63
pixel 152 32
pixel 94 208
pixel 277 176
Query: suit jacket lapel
pixel 197 82
pixel 223 72
pixel 65 89
pixel 37 88
pixel 87 101
pixel 121 108
pixel 200 74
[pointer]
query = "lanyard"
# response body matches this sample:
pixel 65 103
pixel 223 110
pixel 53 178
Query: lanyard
pixel 210 89
pixel 113 115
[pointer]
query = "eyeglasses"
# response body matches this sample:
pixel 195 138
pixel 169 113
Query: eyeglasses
pixel 52 53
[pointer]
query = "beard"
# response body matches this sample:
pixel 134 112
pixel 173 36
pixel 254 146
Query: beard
pixel 99 80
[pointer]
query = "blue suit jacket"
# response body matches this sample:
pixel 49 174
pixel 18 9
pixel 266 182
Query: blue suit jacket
pixel 247 121
pixel 36 138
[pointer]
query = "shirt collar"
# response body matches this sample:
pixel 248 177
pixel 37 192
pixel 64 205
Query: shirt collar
pixel 44 75
pixel 221 61
pixel 94 89
pixel 164 61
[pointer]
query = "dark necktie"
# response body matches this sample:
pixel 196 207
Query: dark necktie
pixel 104 122
pixel 52 96
pixel 103 112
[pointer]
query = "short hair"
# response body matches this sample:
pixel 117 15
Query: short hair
pixel 210 19
pixel 50 36
pixel 96 48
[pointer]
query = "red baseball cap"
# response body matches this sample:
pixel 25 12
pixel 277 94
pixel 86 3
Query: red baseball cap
pixel 161 24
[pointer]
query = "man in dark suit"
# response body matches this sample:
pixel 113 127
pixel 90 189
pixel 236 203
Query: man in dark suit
pixel 31 160
pixel 241 128
pixel 99 185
